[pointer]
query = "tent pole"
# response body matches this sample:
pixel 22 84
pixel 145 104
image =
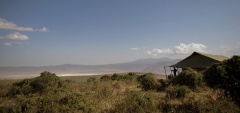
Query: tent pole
pixel 171 70
pixel 165 72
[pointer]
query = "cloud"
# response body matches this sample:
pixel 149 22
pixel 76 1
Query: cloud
pixel 135 49
pixel 156 52
pixel 4 24
pixel 15 36
pixel 44 29
pixel 11 43
pixel 7 44
pixel 189 48
pixel 180 49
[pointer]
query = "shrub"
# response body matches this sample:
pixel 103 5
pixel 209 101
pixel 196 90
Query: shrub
pixel 74 103
pixel 136 102
pixel 45 82
pixel 189 77
pixel 116 77
pixel 112 96
pixel 162 85
pixel 225 75
pixel 218 106
pixel 5 86
pixel 170 77
pixel 130 77
pixel 148 82
pixel 22 87
pixel 132 74
pixel 200 106
pixel 177 91
pixel 214 75
pixel 92 79
pixel 105 78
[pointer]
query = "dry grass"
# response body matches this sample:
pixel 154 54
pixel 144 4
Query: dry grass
pixel 117 96
pixel 80 78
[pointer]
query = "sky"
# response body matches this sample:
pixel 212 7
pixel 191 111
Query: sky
pixel 94 32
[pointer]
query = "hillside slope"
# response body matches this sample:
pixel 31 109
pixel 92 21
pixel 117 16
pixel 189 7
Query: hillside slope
pixel 141 65
pixel 159 67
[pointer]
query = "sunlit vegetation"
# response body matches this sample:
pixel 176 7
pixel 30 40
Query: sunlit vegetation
pixel 216 90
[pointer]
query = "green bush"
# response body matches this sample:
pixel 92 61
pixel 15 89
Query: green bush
pixel 5 86
pixel 126 77
pixel 177 91
pixel 116 96
pixel 136 102
pixel 92 79
pixel 22 87
pixel 74 103
pixel 170 77
pixel 180 108
pixel 116 77
pixel 105 78
pixel 200 106
pixel 45 82
pixel 225 75
pixel 188 77
pixel 132 74
pixel 148 82
pixel 214 75
pixel 162 85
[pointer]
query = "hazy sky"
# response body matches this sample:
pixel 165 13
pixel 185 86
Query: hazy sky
pixel 53 32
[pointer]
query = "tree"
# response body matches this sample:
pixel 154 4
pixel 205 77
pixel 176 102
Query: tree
pixel 148 82
pixel 188 77
pixel 116 77
pixel 105 78
pixel 226 76
pixel 45 82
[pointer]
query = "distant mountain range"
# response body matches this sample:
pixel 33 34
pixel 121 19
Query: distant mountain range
pixel 152 65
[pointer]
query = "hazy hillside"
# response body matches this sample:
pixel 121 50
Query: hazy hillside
pixel 159 67
pixel 141 65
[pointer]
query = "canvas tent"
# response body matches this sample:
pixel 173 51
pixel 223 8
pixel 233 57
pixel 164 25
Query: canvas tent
pixel 199 61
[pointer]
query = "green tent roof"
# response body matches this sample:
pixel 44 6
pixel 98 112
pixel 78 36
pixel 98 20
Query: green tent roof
pixel 199 60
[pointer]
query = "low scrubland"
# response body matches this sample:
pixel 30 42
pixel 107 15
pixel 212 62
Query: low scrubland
pixel 189 92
